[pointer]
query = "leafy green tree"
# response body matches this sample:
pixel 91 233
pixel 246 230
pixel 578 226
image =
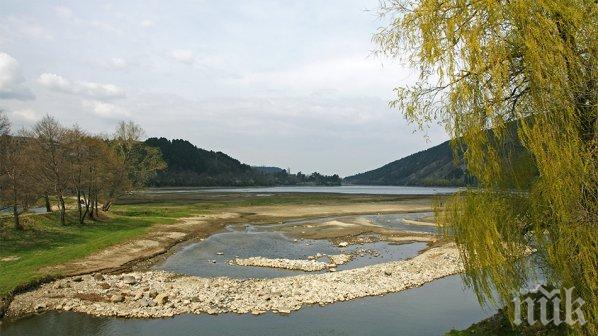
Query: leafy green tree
pixel 498 73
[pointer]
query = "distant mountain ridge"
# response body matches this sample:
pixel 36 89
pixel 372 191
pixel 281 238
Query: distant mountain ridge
pixel 191 166
pixel 434 166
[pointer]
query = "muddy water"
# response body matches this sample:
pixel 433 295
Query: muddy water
pixel 432 309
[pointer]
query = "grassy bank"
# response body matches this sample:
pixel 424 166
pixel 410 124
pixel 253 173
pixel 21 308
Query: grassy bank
pixel 46 242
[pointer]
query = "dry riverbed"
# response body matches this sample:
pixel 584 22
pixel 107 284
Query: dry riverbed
pixel 162 294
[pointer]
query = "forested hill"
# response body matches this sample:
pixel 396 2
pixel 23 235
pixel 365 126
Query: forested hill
pixel 432 167
pixel 190 166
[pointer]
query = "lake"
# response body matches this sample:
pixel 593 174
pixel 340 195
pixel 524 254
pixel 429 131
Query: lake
pixel 345 189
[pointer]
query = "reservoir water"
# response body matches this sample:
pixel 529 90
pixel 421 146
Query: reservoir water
pixel 345 189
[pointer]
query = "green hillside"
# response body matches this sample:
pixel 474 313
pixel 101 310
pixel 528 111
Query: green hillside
pixel 191 166
pixel 434 166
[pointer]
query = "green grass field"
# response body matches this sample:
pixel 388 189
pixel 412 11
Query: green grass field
pixel 46 242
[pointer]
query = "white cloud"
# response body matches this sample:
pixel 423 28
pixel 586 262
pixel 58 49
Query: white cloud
pixel 15 27
pixel 183 55
pixel 117 63
pixel 26 115
pixel 12 82
pixel 147 23
pixel 106 110
pixel 90 89
pixel 347 76
pixel 107 27
pixel 63 12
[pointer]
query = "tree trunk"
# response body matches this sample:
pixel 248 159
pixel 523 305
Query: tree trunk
pixel 48 205
pixel 62 210
pixel 17 221
pixel 106 206
pixel 15 213
pixel 80 208
pixel 15 208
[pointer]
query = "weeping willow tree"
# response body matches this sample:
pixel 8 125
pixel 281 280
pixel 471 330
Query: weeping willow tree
pixel 514 82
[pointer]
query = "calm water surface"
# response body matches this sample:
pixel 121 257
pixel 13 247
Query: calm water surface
pixel 196 258
pixel 374 190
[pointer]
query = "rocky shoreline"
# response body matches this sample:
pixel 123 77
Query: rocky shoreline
pixel 161 294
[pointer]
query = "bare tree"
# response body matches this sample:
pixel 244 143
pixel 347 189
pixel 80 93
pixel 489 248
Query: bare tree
pixel 136 162
pixel 16 188
pixel 4 141
pixel 48 138
pixel 77 155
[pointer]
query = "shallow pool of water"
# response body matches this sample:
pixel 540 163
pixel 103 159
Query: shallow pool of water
pixel 196 258
pixel 432 309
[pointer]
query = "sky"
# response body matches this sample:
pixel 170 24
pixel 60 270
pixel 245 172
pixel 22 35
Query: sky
pixel 292 84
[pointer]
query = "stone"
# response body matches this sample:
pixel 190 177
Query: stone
pixel 104 285
pixel 387 273
pixel 146 303
pixel 98 277
pixel 117 298
pixel 161 298
pixel 77 279
pixel 152 294
pixel 129 280
pixel 343 244
pixel 220 253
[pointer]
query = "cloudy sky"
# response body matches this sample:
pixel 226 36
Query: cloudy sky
pixel 285 83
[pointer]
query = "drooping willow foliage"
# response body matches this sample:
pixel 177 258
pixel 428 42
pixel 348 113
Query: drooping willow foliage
pixel 515 84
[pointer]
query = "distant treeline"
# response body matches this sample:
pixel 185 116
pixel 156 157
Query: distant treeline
pixel 50 160
pixel 190 166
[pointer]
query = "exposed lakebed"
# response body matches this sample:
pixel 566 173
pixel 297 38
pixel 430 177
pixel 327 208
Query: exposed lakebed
pixel 431 309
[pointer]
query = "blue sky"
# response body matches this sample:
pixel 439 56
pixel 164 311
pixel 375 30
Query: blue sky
pixel 286 83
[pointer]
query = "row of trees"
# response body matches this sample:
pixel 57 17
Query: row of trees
pixel 52 160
